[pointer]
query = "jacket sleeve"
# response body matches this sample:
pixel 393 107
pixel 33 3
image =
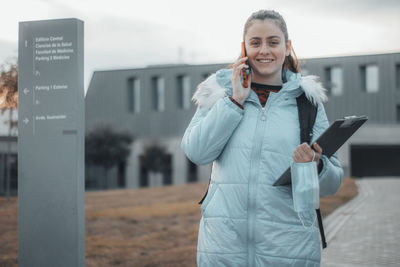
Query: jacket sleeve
pixel 209 131
pixel 331 175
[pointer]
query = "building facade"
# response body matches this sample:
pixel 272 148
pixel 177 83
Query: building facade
pixel 8 154
pixel 154 105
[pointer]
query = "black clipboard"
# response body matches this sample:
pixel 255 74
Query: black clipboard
pixel 331 140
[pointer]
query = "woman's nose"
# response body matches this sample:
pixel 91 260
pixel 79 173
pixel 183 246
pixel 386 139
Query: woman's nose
pixel 264 49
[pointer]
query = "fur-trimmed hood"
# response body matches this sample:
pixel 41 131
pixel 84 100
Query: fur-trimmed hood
pixel 219 85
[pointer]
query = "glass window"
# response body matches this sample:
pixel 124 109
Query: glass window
pixel 158 88
pixel 161 94
pixel 370 78
pixel 398 113
pixel 327 76
pixel 179 81
pixel 154 92
pixel 398 76
pixel 183 92
pixel 186 92
pixel 134 95
pixel 334 80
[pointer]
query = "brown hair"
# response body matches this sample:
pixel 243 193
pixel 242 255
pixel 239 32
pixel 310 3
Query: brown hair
pixel 291 62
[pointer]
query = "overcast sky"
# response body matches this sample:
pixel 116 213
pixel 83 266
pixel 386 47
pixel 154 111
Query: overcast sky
pixel 129 34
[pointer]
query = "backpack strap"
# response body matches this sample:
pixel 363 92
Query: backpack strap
pixel 204 197
pixel 209 181
pixel 321 229
pixel 307 115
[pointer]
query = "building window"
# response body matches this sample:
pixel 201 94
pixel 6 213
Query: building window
pixel 134 95
pixel 158 89
pixel 183 91
pixel 334 80
pixel 370 78
pixel 398 76
pixel 398 113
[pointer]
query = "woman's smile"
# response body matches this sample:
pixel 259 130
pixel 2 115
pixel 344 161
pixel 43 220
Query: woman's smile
pixel 265 60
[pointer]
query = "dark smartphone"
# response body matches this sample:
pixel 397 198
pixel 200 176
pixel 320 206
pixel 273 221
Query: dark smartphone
pixel 244 73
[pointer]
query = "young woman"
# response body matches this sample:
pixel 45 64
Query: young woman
pixel 251 135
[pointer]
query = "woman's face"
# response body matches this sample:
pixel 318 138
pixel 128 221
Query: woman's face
pixel 266 50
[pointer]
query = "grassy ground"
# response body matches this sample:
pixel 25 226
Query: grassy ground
pixel 144 227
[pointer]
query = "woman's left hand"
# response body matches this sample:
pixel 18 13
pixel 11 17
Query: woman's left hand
pixel 304 153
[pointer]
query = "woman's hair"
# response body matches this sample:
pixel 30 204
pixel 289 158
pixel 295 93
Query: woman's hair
pixel 291 62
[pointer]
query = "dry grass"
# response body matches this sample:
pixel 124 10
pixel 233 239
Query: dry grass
pixel 143 227
pixel 346 192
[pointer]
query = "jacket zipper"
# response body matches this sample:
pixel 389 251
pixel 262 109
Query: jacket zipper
pixel 253 181
pixel 263 117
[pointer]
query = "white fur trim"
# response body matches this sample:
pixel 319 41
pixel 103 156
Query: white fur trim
pixel 314 90
pixel 208 92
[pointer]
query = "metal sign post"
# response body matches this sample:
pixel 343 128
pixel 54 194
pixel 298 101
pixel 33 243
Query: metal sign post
pixel 51 216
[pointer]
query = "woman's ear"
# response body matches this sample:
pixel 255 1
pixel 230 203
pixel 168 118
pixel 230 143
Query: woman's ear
pixel 288 47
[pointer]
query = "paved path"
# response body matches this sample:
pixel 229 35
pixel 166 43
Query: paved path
pixel 366 231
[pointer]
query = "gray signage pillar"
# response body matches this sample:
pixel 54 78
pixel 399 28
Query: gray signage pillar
pixel 51 183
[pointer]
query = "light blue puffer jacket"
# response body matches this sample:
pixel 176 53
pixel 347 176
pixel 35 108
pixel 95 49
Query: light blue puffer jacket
pixel 245 220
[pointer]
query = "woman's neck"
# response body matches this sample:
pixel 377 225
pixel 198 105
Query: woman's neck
pixel 262 79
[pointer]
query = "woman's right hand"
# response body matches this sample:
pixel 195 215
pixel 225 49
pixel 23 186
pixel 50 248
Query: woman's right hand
pixel 240 93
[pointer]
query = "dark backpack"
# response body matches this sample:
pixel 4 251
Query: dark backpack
pixel 307 115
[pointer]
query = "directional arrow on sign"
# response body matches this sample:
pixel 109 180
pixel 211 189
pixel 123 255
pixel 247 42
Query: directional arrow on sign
pixel 26 91
pixel 26 120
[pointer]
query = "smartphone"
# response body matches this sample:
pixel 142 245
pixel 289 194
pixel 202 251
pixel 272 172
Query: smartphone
pixel 244 73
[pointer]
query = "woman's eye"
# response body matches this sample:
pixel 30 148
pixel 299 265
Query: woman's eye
pixel 274 43
pixel 255 43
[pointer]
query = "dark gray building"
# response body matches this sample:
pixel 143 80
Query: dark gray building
pixel 154 105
